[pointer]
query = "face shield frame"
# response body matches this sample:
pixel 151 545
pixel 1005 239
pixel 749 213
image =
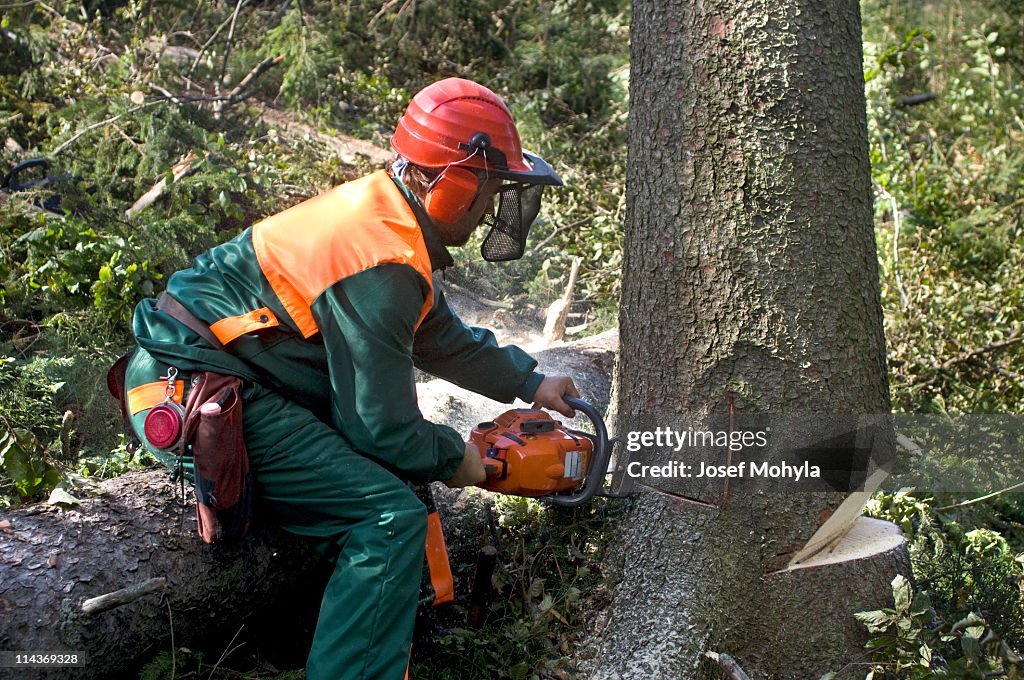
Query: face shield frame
pixel 518 205
pixel 509 225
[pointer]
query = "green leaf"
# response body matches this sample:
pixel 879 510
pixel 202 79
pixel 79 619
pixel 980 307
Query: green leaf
pixel 901 592
pixel 519 671
pixel 921 604
pixel 61 498
pixel 16 448
pixel 971 647
pixel 51 478
pixel 876 621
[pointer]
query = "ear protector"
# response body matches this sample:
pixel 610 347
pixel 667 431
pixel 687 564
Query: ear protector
pixel 451 195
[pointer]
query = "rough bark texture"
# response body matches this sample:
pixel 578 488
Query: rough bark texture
pixel 52 560
pixel 750 279
pixel 854 582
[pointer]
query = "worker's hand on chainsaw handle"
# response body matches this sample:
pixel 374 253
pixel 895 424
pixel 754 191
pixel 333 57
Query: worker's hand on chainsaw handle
pixel 471 471
pixel 550 392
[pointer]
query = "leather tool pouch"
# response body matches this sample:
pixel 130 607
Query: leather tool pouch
pixel 224 485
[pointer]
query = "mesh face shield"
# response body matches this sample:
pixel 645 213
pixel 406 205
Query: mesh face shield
pixel 518 205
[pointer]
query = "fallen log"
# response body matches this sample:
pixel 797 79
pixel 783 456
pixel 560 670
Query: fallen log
pixel 135 534
pixel 131 557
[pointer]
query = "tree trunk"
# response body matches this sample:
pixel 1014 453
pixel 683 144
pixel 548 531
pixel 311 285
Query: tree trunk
pixel 749 287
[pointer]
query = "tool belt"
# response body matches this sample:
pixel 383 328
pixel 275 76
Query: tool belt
pixel 211 428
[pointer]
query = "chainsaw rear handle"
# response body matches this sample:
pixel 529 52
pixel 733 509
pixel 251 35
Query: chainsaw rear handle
pixel 598 465
pixel 11 181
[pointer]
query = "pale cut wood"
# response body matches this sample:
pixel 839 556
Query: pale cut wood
pixel 554 328
pixel 178 170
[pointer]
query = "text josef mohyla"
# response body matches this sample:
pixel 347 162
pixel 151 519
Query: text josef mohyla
pixel 764 469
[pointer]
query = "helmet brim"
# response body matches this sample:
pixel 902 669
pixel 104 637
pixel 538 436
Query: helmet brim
pixel 541 172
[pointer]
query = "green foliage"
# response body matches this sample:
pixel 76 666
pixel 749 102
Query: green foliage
pixel 549 576
pixel 950 207
pixel 38 447
pixel 118 461
pixel 29 399
pixel 73 94
pixel 949 215
pixel 87 87
pixel 909 642
pixel 23 463
pixel 962 565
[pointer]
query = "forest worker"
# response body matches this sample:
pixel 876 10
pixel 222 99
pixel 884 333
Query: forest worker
pixel 324 310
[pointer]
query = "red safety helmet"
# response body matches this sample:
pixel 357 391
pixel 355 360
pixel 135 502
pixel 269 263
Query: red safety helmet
pixel 458 122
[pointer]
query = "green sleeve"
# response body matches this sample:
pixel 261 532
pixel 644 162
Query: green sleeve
pixel 471 357
pixel 368 324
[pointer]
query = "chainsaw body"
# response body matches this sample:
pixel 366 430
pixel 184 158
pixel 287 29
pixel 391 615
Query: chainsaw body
pixel 526 452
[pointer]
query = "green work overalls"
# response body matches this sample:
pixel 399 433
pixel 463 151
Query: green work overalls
pixel 324 310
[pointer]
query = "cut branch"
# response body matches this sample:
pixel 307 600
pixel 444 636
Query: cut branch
pixel 181 168
pixel 117 598
pixel 108 121
pixel 238 93
pixel 915 99
pixel 554 328
pixel 729 665
pixel 260 68
pixel 979 499
pixel 227 45
pixel 970 355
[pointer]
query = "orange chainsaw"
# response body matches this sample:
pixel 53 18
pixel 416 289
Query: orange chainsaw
pixel 526 452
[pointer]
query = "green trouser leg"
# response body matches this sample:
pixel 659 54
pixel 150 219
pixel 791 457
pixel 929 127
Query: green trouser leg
pixel 313 484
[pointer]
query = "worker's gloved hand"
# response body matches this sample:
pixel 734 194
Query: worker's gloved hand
pixel 550 392
pixel 471 471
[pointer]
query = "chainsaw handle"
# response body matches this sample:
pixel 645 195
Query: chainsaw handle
pixel 11 183
pixel 598 466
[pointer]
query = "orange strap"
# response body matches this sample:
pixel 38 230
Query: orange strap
pixel 229 328
pixel 149 395
pixel 437 560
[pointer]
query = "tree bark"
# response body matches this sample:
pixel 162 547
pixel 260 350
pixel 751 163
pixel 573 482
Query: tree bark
pixel 53 560
pixel 749 287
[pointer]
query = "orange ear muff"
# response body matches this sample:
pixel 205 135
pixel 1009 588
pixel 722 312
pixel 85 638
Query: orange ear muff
pixel 451 195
